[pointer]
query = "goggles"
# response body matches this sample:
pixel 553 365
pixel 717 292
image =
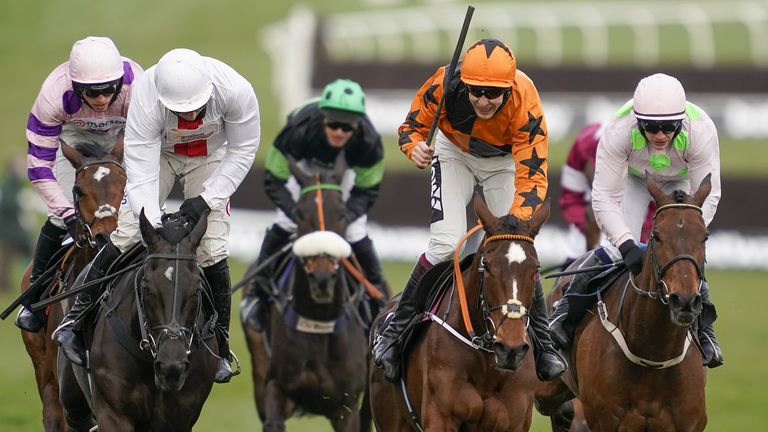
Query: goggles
pixel 660 126
pixel 94 91
pixel 488 92
pixel 346 127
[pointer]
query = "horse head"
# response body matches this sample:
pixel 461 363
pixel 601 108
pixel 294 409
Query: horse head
pixel 507 269
pixel 321 222
pixel 674 261
pixel 170 293
pixel 98 189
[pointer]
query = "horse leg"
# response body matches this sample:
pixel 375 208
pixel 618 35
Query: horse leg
pixel 256 342
pixel 277 408
pixel 76 409
pixel 562 417
pixel 366 416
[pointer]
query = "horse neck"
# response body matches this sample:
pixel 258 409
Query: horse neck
pixel 306 307
pixel 647 323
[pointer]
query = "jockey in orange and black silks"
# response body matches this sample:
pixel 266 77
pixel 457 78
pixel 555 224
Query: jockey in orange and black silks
pixel 516 125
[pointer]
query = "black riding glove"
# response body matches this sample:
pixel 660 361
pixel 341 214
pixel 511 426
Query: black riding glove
pixel 71 222
pixel 193 209
pixel 633 256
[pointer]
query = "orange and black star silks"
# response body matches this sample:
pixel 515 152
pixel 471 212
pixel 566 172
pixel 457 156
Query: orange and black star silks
pixel 518 127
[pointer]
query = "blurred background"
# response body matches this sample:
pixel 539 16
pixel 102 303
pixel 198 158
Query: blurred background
pixel 585 58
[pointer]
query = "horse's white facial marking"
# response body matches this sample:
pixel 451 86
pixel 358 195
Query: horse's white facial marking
pixel 105 211
pixel 515 254
pixel 514 289
pixel 169 273
pixel 100 173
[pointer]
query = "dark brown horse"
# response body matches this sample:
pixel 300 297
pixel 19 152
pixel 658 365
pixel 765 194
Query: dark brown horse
pixel 457 382
pixel 633 365
pixel 317 363
pixel 154 353
pixel 98 192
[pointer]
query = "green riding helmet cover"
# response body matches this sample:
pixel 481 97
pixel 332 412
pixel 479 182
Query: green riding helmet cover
pixel 343 101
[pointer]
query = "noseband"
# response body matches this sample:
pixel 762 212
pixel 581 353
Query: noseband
pixel 86 239
pixel 661 292
pixel 511 309
pixel 173 330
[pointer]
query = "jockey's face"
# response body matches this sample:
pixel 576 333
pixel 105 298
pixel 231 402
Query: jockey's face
pixel 99 103
pixel 338 134
pixel 659 134
pixel 485 108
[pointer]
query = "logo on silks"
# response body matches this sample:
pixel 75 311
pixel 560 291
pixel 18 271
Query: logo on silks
pixel 437 193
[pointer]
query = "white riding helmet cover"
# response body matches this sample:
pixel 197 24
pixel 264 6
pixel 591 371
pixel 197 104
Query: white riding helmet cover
pixel 95 60
pixel 659 97
pixel 182 80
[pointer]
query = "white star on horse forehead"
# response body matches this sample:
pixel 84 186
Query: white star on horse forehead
pixel 515 253
pixel 100 173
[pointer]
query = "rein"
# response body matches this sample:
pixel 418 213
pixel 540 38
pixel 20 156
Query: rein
pixel 318 188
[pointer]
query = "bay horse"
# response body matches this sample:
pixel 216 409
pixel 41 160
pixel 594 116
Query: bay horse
pixel 314 357
pixel 630 365
pixel 455 380
pixel 97 192
pixel 154 352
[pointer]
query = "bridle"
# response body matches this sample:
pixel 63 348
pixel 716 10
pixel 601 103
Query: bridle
pixel 86 238
pixel 512 309
pixel 661 293
pixel 173 330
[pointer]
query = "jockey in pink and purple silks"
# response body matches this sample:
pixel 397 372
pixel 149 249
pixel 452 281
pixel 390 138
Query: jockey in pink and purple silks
pixel 83 100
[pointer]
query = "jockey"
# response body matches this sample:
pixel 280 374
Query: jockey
pixel 658 132
pixel 83 100
pixel 196 120
pixel 492 133
pixel 576 195
pixel 318 131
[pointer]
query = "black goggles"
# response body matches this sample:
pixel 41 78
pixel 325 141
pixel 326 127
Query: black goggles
pixel 660 126
pixel 488 92
pixel 346 127
pixel 94 91
pixel 200 112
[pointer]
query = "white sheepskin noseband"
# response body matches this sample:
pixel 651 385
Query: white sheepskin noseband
pixel 322 242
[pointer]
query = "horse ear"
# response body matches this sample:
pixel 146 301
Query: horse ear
pixel 148 233
pixel 118 149
pixel 654 189
pixel 199 230
pixel 487 219
pixel 703 192
pixel 539 217
pixel 72 154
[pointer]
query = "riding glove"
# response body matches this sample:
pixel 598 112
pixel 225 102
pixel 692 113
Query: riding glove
pixel 71 222
pixel 193 208
pixel 633 256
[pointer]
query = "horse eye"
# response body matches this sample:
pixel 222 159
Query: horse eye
pixel 655 235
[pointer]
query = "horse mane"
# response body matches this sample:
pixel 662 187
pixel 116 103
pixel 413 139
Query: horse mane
pixel 679 196
pixel 91 149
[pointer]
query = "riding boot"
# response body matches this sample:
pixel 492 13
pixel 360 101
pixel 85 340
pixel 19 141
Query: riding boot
pixel 218 277
pixel 549 364
pixel 386 349
pixel 558 334
pixel 48 243
pixel 66 336
pixel 369 260
pixel 254 308
pixel 713 356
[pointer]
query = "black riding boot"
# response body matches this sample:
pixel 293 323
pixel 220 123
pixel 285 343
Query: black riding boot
pixel 558 334
pixel 254 310
pixel 48 243
pixel 713 357
pixel 549 364
pixel 66 336
pixel 218 277
pixel 369 260
pixel 386 349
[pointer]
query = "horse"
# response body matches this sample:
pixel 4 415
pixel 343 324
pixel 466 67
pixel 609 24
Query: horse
pixel 631 366
pixel 453 379
pixel 312 357
pixel 154 350
pixel 97 192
